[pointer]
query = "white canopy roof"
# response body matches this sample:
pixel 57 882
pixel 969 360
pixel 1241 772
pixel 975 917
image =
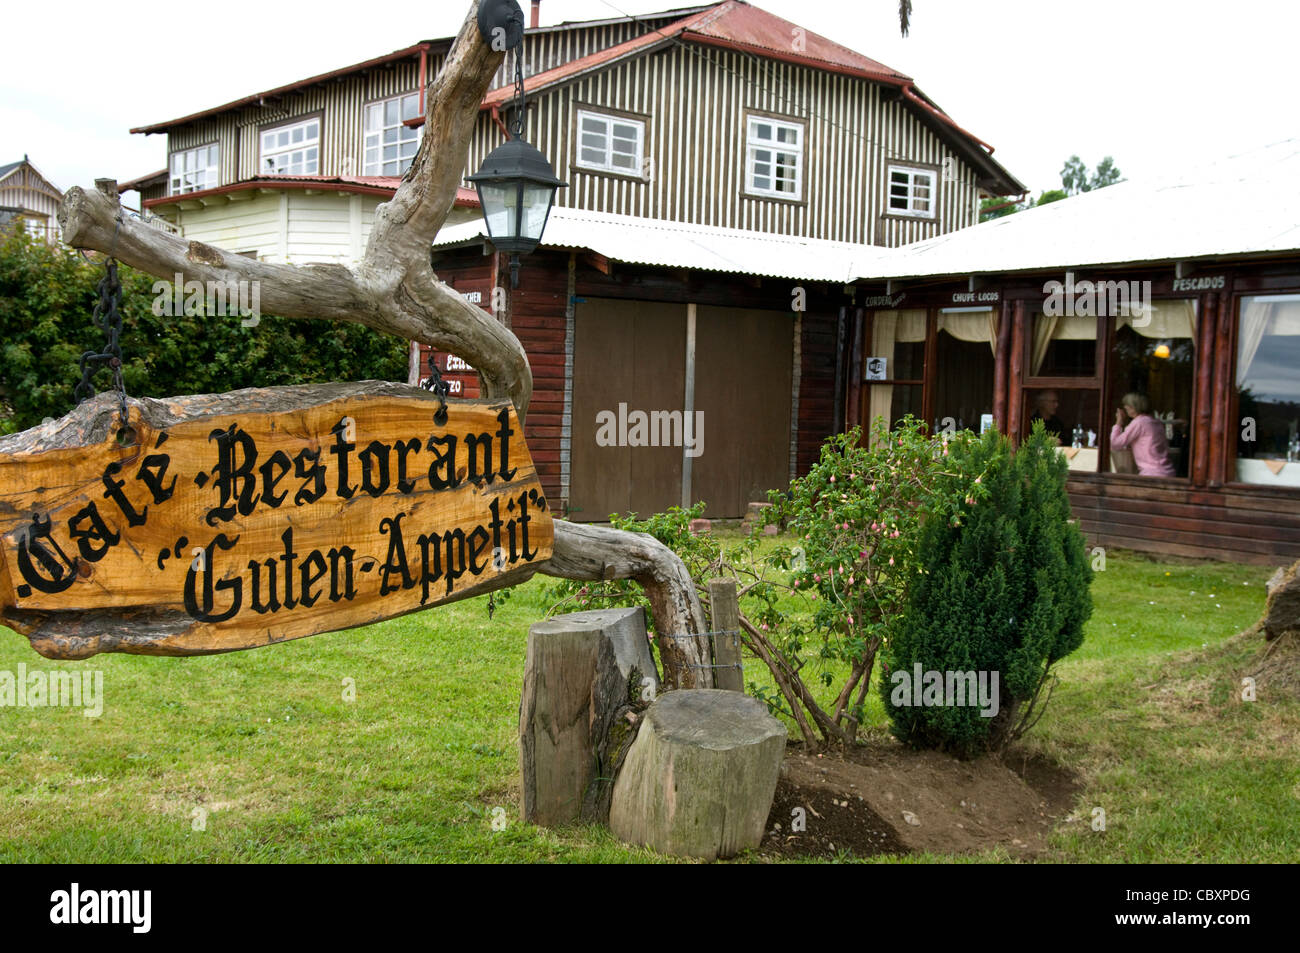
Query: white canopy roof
pixel 1246 204
pixel 650 241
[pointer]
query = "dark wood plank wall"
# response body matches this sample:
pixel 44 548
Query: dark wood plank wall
pixel 537 317
pixel 817 417
pixel 1249 525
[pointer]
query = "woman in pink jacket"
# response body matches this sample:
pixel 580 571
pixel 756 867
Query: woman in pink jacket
pixel 1144 435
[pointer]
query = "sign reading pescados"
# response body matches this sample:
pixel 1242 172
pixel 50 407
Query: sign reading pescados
pixel 233 521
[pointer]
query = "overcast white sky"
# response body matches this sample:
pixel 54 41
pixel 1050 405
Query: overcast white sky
pixel 1154 83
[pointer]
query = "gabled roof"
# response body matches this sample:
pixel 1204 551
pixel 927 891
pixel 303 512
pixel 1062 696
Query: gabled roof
pixel 12 167
pixel 732 24
pixel 1238 205
pixel 441 44
pixel 668 244
pixel 737 25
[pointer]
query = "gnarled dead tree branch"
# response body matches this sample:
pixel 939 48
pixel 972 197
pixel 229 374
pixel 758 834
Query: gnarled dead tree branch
pixel 394 290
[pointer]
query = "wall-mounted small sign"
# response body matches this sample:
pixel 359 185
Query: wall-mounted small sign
pixel 976 297
pixel 473 297
pixel 1204 283
pixel 877 369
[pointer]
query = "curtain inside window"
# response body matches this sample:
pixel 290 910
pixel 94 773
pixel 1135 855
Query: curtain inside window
pixel 1166 319
pixel 1261 318
pixel 890 328
pixel 972 326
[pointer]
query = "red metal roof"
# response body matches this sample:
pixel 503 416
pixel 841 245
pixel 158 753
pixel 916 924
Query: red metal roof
pixel 384 185
pixel 281 90
pixel 732 24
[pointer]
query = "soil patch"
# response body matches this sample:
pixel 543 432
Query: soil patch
pixel 882 798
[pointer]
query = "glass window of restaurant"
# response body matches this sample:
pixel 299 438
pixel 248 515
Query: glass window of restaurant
pixel 935 362
pixel 1082 372
pixel 1268 390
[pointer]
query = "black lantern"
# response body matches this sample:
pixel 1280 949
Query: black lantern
pixel 516 185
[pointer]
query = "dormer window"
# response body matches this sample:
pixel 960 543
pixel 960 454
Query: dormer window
pixel 774 158
pixel 293 149
pixel 912 192
pixel 390 145
pixel 192 170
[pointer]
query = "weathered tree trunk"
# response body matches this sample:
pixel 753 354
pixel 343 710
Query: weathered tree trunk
pixel 585 676
pixel 394 290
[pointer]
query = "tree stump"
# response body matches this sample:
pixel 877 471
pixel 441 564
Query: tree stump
pixel 1282 610
pixel 700 777
pixel 582 688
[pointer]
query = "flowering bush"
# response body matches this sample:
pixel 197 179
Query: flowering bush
pixel 857 517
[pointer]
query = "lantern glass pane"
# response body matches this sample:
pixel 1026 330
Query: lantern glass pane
pixel 536 206
pixel 498 200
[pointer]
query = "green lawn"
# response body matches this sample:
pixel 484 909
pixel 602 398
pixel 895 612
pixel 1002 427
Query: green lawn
pixel 262 752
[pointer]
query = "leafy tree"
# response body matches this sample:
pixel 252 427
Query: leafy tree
pixel 47 295
pixel 1075 178
pixel 1004 589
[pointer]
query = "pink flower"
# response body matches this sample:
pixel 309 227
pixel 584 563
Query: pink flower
pixel 764 626
pixel 850 580
pixel 978 479
pixel 891 560
pixel 894 534
pixel 817 577
pixel 850 618
pixel 832 478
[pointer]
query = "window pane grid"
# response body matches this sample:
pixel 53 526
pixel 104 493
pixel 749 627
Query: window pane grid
pixel 292 150
pixel 609 144
pixel 911 192
pixel 775 158
pixel 193 170
pixel 390 146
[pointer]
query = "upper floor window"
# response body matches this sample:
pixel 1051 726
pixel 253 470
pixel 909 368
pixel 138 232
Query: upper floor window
pixel 774 163
pixel 291 150
pixel 610 143
pixel 193 170
pixel 912 192
pixel 390 145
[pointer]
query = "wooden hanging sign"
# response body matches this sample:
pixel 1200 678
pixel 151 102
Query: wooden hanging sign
pixel 237 520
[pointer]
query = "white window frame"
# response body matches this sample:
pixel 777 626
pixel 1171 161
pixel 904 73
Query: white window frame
pixel 606 163
pixel 373 137
pixel 303 146
pixel 913 173
pixel 756 143
pixel 198 175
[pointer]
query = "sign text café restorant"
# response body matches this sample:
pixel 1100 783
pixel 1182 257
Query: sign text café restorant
pixel 262 526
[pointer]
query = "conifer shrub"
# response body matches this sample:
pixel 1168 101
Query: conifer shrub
pixel 1002 593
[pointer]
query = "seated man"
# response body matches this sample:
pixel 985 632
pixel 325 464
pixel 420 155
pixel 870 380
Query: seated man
pixel 1144 435
pixel 1045 405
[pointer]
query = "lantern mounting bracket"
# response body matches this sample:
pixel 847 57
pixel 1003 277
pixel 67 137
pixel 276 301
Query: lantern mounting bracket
pixel 501 24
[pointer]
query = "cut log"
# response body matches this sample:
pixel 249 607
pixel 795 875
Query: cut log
pixel 584 680
pixel 700 777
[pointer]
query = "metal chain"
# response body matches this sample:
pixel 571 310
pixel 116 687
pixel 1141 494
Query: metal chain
pixel 517 126
pixel 439 387
pixel 108 318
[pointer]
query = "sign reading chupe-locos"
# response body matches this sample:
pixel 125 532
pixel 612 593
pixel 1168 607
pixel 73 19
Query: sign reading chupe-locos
pixel 238 520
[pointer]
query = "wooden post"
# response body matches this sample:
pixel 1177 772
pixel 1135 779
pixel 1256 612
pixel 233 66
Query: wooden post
pixel 1202 415
pixel 1016 398
pixel 725 606
pixel 688 410
pixel 1001 368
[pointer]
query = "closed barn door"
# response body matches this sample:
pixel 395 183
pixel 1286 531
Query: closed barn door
pixel 630 353
pixel 742 385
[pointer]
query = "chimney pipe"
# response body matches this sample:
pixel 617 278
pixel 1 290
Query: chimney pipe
pixel 537 14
